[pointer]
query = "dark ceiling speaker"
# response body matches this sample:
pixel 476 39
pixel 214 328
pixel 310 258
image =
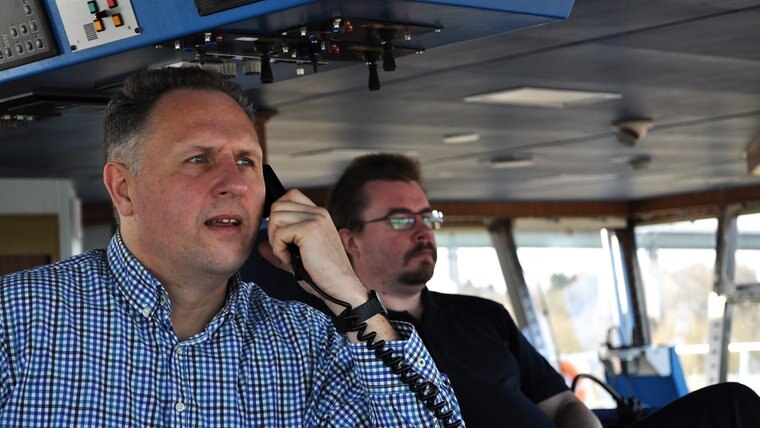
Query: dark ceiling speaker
pixel 314 51
pixel 389 62
pixel 266 69
pixel 374 79
pixel 264 48
pixel 630 131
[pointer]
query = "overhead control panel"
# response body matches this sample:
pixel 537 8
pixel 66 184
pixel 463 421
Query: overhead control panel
pixel 206 7
pixel 24 33
pixel 90 23
pixel 132 27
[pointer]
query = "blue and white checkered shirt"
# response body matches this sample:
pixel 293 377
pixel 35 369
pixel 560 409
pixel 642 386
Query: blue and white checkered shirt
pixel 88 342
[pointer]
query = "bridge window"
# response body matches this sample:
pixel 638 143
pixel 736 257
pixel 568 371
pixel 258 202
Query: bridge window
pixel 744 342
pixel 467 264
pixel 677 262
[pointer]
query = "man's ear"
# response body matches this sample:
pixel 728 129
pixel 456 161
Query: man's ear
pixel 116 178
pixel 348 239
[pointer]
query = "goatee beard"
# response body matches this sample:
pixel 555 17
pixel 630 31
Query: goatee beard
pixel 418 277
pixel 421 275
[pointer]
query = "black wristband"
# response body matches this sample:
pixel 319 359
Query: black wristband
pixel 361 313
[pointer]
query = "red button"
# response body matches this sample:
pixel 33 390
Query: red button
pixel 112 4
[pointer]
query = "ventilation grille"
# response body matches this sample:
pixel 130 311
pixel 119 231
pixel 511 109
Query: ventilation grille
pixel 89 31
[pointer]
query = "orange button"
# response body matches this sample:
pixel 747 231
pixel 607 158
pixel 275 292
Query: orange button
pixel 98 23
pixel 117 21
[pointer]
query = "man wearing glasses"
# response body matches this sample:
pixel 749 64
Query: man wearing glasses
pixel 386 224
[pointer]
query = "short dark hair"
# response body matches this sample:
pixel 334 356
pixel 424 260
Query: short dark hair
pixel 128 113
pixel 347 198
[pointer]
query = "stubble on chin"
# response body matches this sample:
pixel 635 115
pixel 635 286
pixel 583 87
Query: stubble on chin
pixel 419 276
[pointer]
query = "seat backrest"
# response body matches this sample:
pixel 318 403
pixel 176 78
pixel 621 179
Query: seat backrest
pixel 654 377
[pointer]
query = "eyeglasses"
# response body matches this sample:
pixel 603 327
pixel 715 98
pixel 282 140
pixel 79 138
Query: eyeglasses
pixel 433 219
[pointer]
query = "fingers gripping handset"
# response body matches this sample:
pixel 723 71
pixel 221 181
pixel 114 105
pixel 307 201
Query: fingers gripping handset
pixel 425 391
pixel 274 191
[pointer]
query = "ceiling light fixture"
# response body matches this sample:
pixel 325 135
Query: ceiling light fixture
pixel 461 138
pixel 542 97
pixel 571 178
pixel 511 161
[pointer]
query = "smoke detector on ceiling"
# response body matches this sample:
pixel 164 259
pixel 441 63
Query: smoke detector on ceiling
pixel 630 131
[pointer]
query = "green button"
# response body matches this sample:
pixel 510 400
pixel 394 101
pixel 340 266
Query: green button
pixel 93 6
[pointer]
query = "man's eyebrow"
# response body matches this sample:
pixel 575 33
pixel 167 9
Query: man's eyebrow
pixel 251 154
pixel 408 211
pixel 210 149
pixel 196 148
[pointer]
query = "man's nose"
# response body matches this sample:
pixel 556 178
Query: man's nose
pixel 420 230
pixel 230 181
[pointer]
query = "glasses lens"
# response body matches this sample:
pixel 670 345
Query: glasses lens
pixel 401 222
pixel 433 220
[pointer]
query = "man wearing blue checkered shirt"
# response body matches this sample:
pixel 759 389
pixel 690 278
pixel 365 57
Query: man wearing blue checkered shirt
pixel 158 330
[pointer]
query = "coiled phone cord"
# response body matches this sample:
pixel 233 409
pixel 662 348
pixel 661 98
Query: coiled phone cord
pixel 425 391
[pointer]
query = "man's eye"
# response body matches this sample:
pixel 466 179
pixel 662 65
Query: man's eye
pixel 197 159
pixel 401 219
pixel 245 162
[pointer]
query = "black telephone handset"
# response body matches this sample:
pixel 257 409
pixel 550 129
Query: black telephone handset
pixel 275 190
pixel 426 392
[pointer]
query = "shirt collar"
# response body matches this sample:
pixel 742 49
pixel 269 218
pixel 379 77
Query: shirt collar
pixel 144 292
pixel 138 286
pixel 427 301
pixel 238 293
pixel 429 309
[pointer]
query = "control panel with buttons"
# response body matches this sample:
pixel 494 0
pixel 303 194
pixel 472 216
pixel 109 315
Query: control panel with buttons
pixel 24 33
pixel 90 23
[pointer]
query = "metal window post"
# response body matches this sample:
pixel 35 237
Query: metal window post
pixel 720 305
pixel 630 274
pixel 526 316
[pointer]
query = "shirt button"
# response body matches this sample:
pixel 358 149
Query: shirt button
pixel 420 362
pixel 146 312
pixel 164 300
pixel 178 350
pixel 179 406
